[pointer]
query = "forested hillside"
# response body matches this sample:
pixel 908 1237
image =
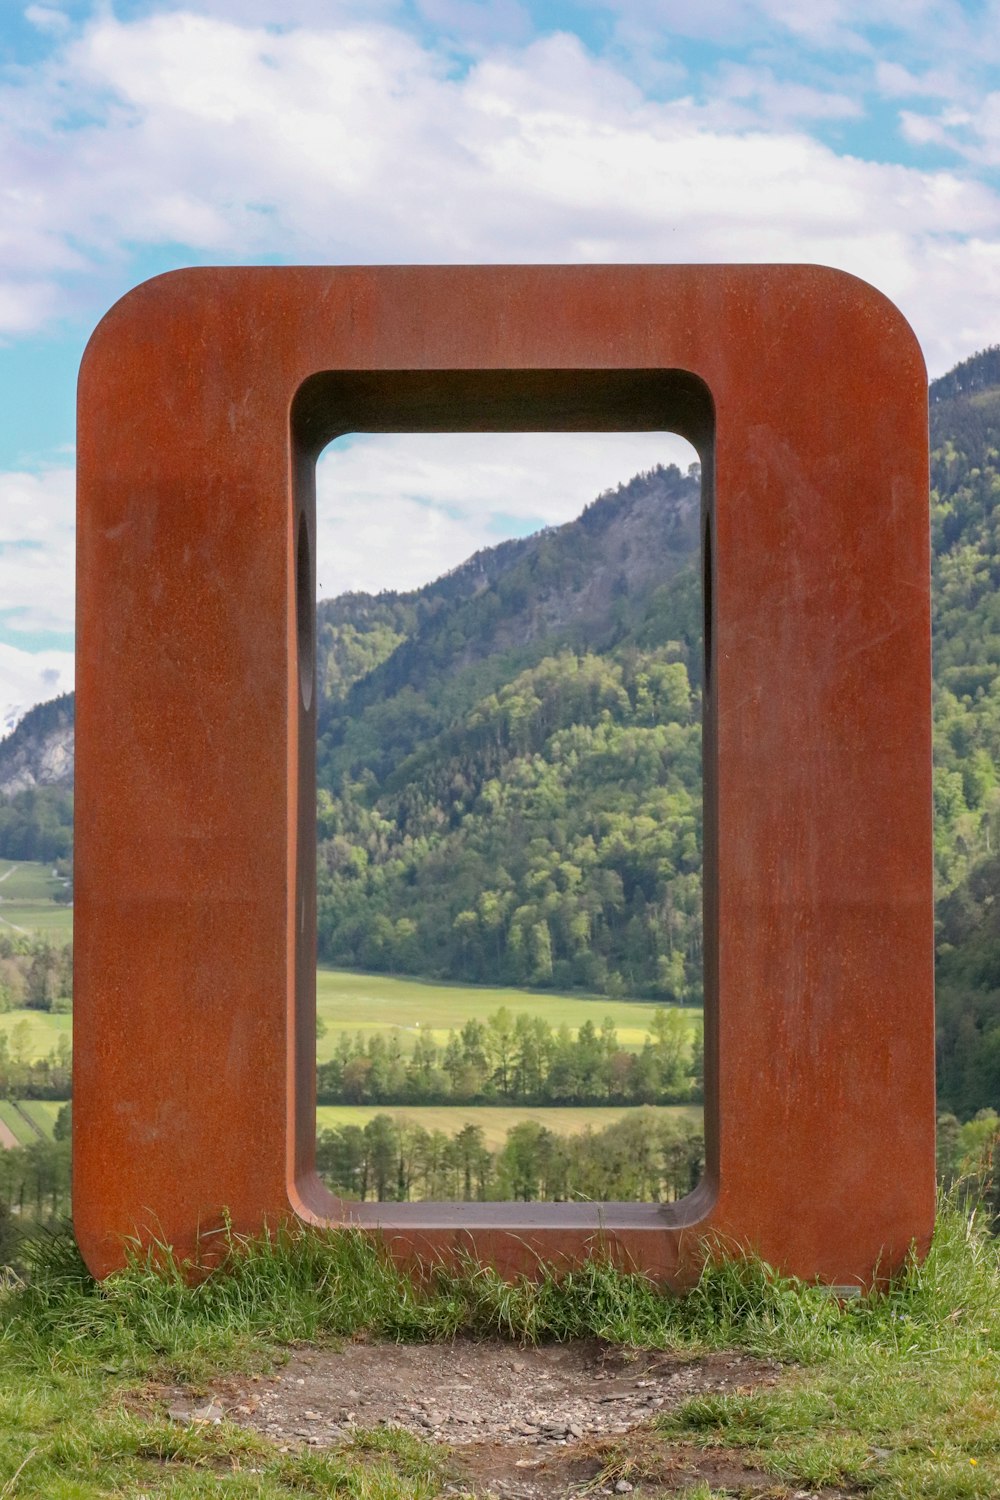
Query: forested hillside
pixel 513 794
pixel 965 516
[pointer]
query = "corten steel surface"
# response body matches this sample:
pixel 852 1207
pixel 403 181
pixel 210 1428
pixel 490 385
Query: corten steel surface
pixel 204 398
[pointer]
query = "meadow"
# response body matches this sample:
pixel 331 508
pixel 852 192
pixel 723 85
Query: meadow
pixel 32 1034
pixel 347 1001
pixel 29 1119
pixel 493 1120
pixel 27 901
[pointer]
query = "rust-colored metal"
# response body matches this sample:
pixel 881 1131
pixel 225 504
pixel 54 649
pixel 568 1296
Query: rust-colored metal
pixel 205 396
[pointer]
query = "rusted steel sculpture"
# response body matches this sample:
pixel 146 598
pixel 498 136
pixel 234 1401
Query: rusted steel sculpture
pixel 205 397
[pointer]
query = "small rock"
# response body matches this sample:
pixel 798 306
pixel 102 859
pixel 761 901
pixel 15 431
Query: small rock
pixel 623 1487
pixel 210 1412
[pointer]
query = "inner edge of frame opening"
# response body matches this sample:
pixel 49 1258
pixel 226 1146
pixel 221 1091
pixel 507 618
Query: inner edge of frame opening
pixel 332 404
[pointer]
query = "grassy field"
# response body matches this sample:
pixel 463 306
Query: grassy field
pixel 352 1002
pixel 493 1121
pixel 43 1112
pixel 35 1032
pixel 26 901
pixel 371 1002
pixel 16 1124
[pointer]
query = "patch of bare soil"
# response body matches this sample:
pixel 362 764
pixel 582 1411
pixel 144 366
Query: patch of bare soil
pixel 523 1423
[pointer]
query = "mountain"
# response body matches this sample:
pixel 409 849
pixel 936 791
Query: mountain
pixel 511 793
pixel 965 519
pixel 36 784
pixel 38 751
pixel 571 587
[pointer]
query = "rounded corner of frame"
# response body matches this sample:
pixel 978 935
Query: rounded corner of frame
pixel 93 1250
pixel 870 300
pixel 133 307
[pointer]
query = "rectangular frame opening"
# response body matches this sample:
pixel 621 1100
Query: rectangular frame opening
pixel 329 405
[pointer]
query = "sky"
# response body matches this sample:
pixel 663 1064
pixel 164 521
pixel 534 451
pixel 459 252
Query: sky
pixel 141 135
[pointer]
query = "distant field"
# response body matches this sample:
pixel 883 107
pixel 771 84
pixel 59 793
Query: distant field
pixel 43 1112
pixel 493 1120
pixel 16 1124
pixel 26 901
pixel 370 1002
pixel 37 1031
pixel 346 1001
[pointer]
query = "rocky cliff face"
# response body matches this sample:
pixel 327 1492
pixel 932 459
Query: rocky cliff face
pixel 39 751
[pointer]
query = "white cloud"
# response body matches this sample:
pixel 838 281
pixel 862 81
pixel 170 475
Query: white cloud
pixel 780 101
pixel 396 510
pixel 896 81
pixel 47 18
pixel 353 142
pixel 478 21
pixel 37 528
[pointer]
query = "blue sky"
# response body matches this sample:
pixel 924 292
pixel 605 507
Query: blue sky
pixel 138 135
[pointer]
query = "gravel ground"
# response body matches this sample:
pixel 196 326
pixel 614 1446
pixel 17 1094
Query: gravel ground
pixel 521 1424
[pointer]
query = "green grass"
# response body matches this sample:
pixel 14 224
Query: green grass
pixel 41 919
pixel 43 1112
pixel 26 901
pixel 34 1033
pixel 369 1003
pixel 347 1001
pixel 895 1395
pixel 493 1120
pixel 16 1124
pixel 24 880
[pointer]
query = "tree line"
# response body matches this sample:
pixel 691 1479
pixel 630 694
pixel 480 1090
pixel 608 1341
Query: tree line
pixel 35 974
pixel 23 1076
pixel 644 1157
pixel 37 824
pixel 518 1059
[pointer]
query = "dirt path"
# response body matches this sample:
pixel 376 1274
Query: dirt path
pixel 8 1140
pixel 521 1424
pixel 7 874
